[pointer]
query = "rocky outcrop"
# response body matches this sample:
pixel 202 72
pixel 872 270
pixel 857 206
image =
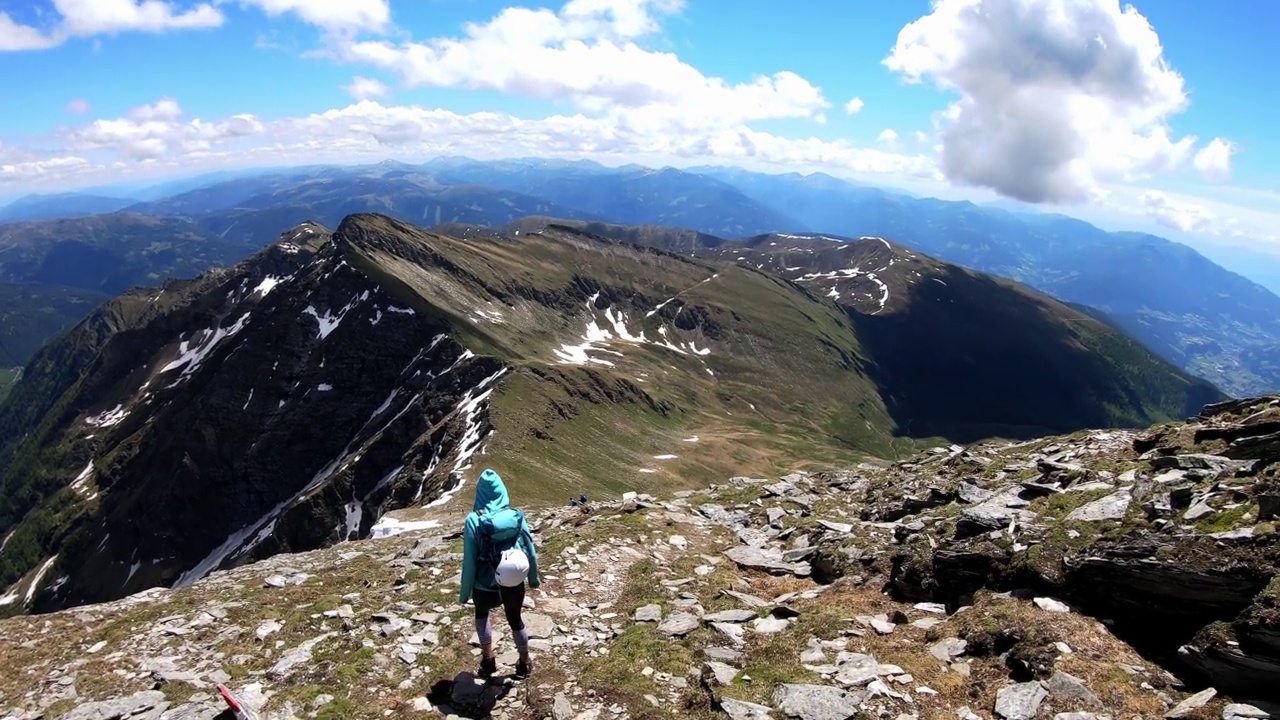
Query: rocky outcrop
pixel 282 405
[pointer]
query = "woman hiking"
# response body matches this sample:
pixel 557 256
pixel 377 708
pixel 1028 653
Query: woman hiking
pixel 497 558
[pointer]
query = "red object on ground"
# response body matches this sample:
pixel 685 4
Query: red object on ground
pixel 236 707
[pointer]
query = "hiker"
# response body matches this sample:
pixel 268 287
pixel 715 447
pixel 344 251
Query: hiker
pixel 498 556
pixel 582 498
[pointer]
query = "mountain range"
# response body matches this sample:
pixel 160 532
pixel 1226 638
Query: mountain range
pixel 1209 321
pixel 289 401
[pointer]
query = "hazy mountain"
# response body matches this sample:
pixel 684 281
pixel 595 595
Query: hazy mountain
pixel 63 205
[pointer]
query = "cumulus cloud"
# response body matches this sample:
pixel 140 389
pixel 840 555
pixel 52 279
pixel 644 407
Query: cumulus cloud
pixel 1214 161
pixel 854 106
pixel 160 137
pixel 1055 96
pixel 1184 216
pixel 363 88
pixel 331 14
pixel 887 137
pixel 154 130
pixel 587 53
pixel 86 18
pixel 16 37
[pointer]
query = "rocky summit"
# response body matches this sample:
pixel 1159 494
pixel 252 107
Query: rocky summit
pixel 290 401
pixel 1101 574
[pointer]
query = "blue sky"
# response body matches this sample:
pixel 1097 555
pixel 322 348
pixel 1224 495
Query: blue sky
pixel 1153 117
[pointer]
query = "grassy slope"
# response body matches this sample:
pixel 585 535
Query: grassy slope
pixel 784 387
pixel 8 377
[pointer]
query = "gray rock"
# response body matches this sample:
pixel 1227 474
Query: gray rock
pixel 722 654
pixel 541 626
pixel 856 669
pixel 299 655
pixel 1071 691
pixel 749 600
pixel 118 708
pixel 948 648
pixel 1191 704
pixel 731 616
pixel 1051 605
pixel 769 625
pixel 1241 711
pixel 1111 507
pixel 648 613
pixel 1200 509
pixel 1079 716
pixel 1194 461
pixel 815 702
pixel 679 624
pixel 731 631
pixel 1021 701
pixel 843 528
pixel 561 709
pixel 972 494
pixel 741 710
pixel 768 559
pixel 723 674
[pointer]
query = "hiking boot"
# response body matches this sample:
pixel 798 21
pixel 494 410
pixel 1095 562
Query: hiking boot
pixel 488 666
pixel 523 667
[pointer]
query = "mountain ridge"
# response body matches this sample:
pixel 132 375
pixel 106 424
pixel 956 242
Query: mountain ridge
pixel 574 360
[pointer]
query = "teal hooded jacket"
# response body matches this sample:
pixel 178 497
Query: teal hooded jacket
pixel 491 495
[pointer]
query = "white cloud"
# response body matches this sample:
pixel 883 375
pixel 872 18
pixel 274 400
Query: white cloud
pixel 160 138
pixel 158 130
pixel 363 88
pixel 587 53
pixel 922 137
pixel 1214 161
pixel 1056 96
pixel 887 137
pixel 854 106
pixel 165 108
pixel 331 14
pixel 1184 216
pixel 16 37
pixel 79 106
pixel 86 18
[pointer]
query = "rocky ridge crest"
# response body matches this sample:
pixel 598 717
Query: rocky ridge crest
pixel 1106 574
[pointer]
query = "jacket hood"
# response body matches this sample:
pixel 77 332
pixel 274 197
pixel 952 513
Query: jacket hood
pixel 491 493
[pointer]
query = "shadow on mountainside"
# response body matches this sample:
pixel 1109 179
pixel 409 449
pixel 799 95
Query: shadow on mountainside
pixel 1018 370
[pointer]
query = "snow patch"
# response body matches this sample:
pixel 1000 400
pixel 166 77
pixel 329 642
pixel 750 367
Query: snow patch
pixel 648 470
pixel 664 457
pixel 324 387
pixel 492 316
pixel 472 440
pixel 35 582
pixel 248 400
pixel 268 284
pixel 355 513
pixel 81 483
pixel 108 418
pixel 402 311
pixel 691 439
pixel 386 527
pixel 191 357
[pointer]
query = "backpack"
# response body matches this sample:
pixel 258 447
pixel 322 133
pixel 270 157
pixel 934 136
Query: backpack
pixel 499 545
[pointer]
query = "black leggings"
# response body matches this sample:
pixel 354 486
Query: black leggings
pixel 510 598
